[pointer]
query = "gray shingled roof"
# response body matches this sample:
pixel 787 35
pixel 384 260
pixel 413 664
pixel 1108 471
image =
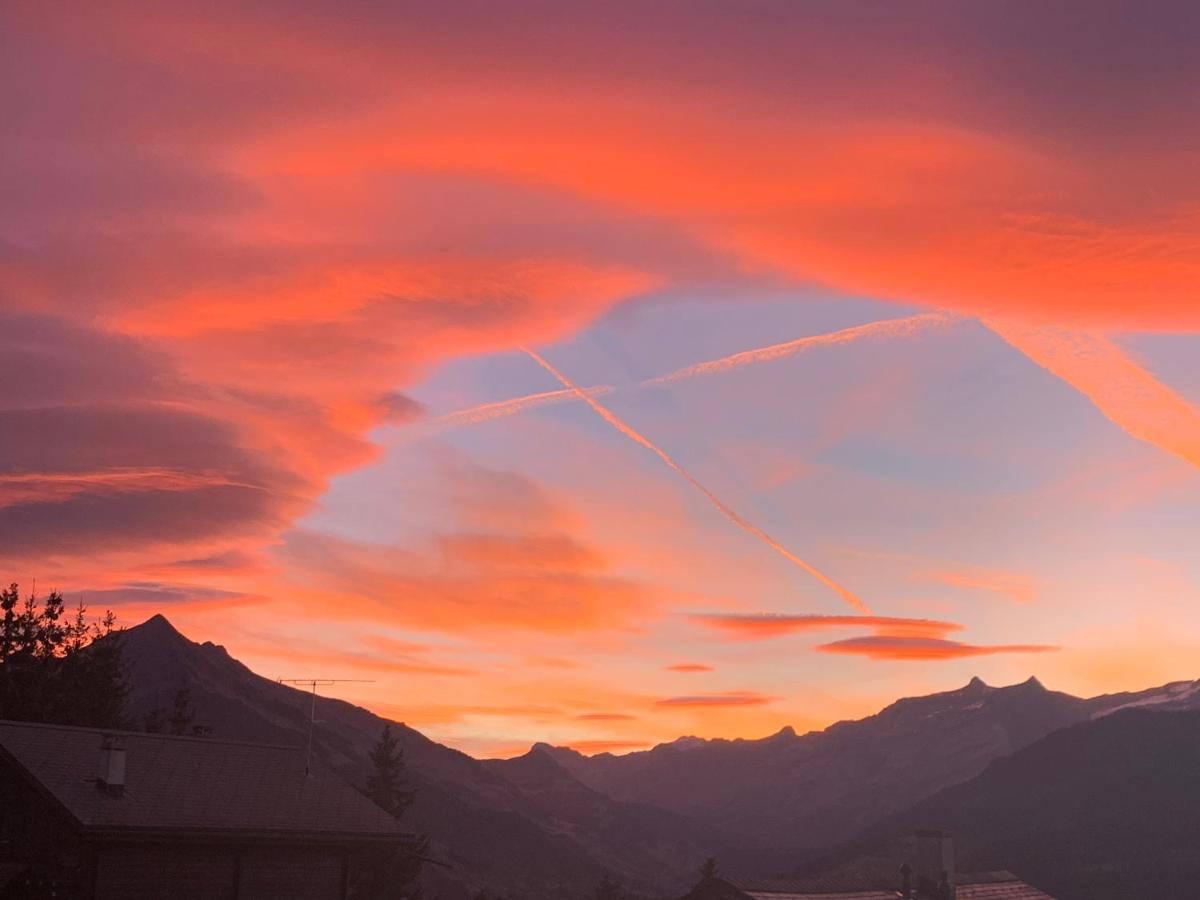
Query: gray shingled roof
pixel 979 886
pixel 839 895
pixel 192 784
pixel 1001 890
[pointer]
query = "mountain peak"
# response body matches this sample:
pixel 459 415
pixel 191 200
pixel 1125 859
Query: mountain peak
pixel 1032 683
pixel 977 684
pixel 157 625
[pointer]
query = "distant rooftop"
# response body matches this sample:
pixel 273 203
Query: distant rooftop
pixel 191 784
pixel 981 886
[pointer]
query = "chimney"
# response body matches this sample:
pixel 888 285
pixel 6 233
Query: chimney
pixel 110 776
pixel 935 865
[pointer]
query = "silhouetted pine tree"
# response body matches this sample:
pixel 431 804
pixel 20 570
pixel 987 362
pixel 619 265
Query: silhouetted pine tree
pixel 180 719
pixel 58 668
pixel 385 784
pixel 392 874
pixel 709 868
pixel 182 713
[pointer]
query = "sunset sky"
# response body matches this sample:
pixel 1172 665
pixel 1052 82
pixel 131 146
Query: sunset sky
pixel 604 373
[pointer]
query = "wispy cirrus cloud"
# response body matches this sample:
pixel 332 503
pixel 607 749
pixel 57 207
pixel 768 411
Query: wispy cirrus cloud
pixel 690 668
pixel 1131 397
pixel 757 626
pixel 510 555
pixel 1018 586
pixel 153 595
pixel 1015 586
pixel 339 658
pixel 606 717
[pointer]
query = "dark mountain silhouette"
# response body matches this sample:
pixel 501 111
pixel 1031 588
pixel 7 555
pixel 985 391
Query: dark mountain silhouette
pixel 551 823
pixel 527 829
pixel 789 795
pixel 1104 810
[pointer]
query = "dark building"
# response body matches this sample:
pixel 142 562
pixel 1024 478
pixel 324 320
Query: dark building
pixel 130 815
pixel 932 876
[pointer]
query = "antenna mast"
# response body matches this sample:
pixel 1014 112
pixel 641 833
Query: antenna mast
pixel 313 684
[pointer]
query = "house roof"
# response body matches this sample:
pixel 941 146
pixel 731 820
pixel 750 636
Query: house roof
pixel 192 785
pixel 981 886
pixel 838 895
pixel 855 886
pixel 1001 890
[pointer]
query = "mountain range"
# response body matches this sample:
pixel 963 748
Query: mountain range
pixel 552 822
pixel 1104 810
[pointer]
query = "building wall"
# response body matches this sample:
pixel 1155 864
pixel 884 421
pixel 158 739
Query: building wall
pixel 36 835
pixel 159 872
pixel 174 872
pixel 304 874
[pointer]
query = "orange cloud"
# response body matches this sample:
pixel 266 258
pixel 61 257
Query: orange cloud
pixel 514 556
pixel 463 594
pixel 217 288
pixel 756 626
pixel 589 747
pixel 286 242
pixel 606 717
pixel 340 658
pixel 728 698
pixel 51 487
pixel 899 647
pixel 690 668
pixel 1128 395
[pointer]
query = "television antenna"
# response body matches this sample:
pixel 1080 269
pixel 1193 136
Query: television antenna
pixel 312 684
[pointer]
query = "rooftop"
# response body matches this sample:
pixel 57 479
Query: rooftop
pixel 980 886
pixel 191 784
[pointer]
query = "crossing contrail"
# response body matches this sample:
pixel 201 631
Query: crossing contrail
pixel 888 328
pixel 712 498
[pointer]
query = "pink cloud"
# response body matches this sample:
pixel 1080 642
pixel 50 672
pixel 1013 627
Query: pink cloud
pixel 728 698
pixel 898 647
pixel 755 626
pixel 606 717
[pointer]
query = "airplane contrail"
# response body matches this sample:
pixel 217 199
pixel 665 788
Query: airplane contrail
pixel 888 328
pixel 712 498
pixel 885 328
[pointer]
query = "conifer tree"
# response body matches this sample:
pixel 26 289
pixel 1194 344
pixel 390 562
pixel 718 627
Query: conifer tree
pixel 385 784
pixel 182 713
pixel 395 874
pixel 59 668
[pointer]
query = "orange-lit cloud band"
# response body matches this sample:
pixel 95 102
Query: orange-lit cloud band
pixel 889 647
pixel 727 698
pixel 756 626
pixel 1131 397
